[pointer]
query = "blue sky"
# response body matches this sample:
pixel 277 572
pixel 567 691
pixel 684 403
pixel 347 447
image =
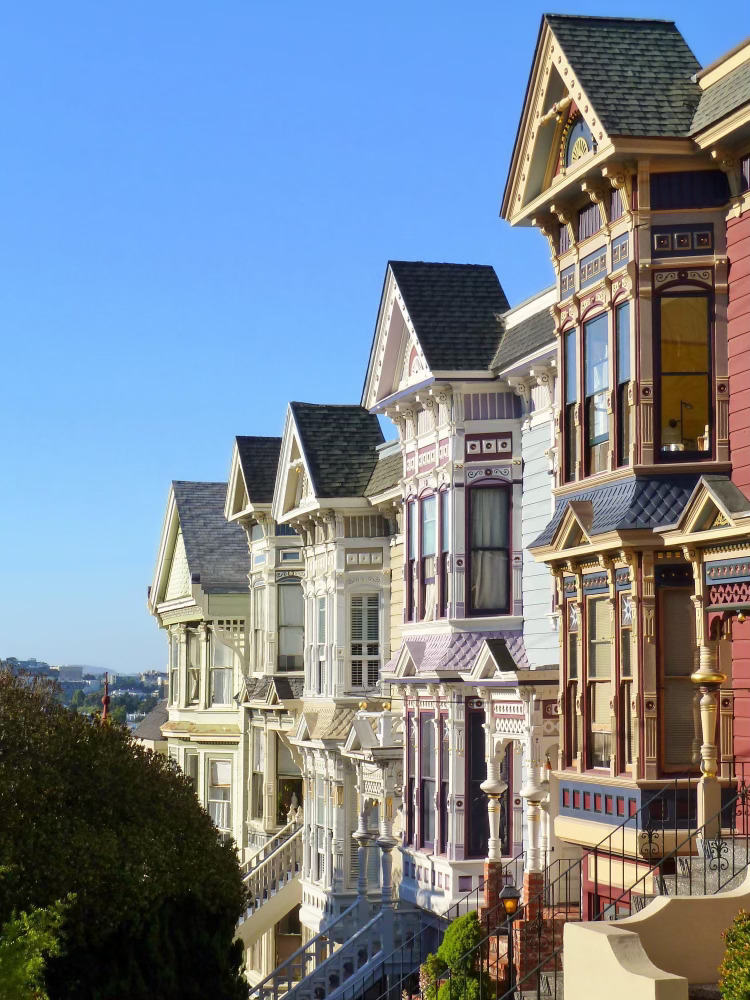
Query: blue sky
pixel 197 202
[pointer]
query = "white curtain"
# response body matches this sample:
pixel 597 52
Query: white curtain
pixel 489 517
pixel 489 548
pixel 223 656
pixel 221 686
pixel 489 579
pixel 291 606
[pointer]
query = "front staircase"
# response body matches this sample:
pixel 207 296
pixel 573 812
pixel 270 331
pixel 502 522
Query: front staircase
pixel 272 880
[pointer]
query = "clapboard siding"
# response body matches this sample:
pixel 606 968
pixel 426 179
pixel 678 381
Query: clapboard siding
pixel 536 509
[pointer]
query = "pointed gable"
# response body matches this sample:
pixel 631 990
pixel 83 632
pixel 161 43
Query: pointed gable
pixel 339 443
pixel 216 549
pixel 255 462
pixel 593 80
pixel 434 318
pixel 178 582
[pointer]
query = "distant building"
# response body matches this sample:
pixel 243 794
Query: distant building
pixel 148 732
pixel 70 674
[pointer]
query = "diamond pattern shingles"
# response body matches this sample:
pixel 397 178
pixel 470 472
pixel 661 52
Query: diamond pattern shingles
pixel 637 73
pixel 340 445
pixel 455 309
pixel 457 652
pixel 259 459
pixel 215 548
pixel 639 502
pixel 723 97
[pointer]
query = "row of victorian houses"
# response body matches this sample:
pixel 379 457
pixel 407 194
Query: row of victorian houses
pixel 398 666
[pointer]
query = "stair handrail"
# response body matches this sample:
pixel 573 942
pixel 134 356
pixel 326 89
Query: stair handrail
pixel 324 932
pixel 270 847
pixel 340 955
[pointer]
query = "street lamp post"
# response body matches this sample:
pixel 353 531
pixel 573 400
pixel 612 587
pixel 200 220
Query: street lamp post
pixel 510 898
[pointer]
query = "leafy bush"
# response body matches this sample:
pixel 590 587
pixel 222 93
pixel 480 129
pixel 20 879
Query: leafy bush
pixel 452 973
pixel 734 971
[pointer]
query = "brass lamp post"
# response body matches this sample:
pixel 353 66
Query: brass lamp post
pixel 510 898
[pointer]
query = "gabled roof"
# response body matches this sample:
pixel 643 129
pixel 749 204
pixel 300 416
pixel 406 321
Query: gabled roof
pixel 634 503
pixel 525 337
pixel 636 72
pixel 386 474
pixel 455 310
pixel 216 549
pixel 149 728
pixel 259 460
pixel 721 98
pixel 339 445
pixel 450 654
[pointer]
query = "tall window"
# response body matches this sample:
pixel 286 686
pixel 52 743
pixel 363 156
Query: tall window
pixel 571 695
pixel 599 634
pixel 222 668
pixel 259 627
pixel 627 748
pixel 427 571
pixel 174 669
pixel 412 588
pixel 191 768
pixel 445 534
pixel 321 603
pixel 596 379
pixel 291 626
pixel 624 408
pixel 684 375
pixel 570 443
pixel 489 555
pixel 320 827
pixel 259 768
pixel 411 770
pixel 477 816
pixel 194 668
pixel 678 649
pixel 220 794
pixel 364 627
pixel 427 779
pixel 444 779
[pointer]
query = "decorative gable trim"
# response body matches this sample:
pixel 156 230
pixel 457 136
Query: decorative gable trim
pixel 293 492
pixel 238 502
pixel 575 526
pixel 169 534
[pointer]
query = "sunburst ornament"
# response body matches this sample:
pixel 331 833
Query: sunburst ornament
pixel 580 148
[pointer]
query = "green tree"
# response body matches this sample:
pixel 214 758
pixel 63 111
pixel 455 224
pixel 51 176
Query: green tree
pixel 734 971
pixel 26 940
pixel 452 973
pixel 78 699
pixel 85 811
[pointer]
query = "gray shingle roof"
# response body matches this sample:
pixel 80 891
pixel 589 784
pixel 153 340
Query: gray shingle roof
pixel 730 495
pixel 722 97
pixel 524 338
pixel 386 474
pixel 150 727
pixel 216 549
pixel 455 309
pixel 339 443
pixel 259 460
pixel 636 502
pixel 637 73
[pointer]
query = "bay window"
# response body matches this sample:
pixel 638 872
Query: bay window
pixel 444 779
pixel 599 678
pixel 220 795
pixel 427 780
pixel 477 815
pixel 222 669
pixel 444 577
pixel 291 625
pixel 194 668
pixel 624 409
pixel 174 669
pixel 320 828
pixel 573 736
pixel 596 388
pixel 489 554
pixel 258 773
pixel 427 567
pixel 678 648
pixel 364 632
pixel 411 562
pixel 627 747
pixel 684 376
pixel 411 766
pixel 259 627
pixel 191 768
pixel 570 389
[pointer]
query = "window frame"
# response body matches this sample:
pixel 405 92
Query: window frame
pixel 174 669
pixel 193 668
pixel 289 582
pixel 471 611
pixel 412 559
pixel 573 747
pixel 423 579
pixel 570 431
pixel 426 844
pixel 589 724
pixel 678 290
pixel 666 768
pixel 369 663
pixel 591 443
pixel 444 515
pixel 224 831
pixel 624 410
pixel 625 681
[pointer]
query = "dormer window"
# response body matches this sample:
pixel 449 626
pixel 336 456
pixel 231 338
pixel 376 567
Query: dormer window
pixel 684 370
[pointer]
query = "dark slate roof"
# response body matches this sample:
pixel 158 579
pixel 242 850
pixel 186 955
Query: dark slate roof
pixel 257 687
pixel 636 502
pixel 723 97
pixel 289 688
pixel 216 549
pixel 150 727
pixel 386 474
pixel 731 496
pixel 339 443
pixel 524 338
pixel 259 460
pixel 455 309
pixel 637 73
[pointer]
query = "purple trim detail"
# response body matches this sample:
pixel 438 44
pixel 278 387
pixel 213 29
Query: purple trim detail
pixel 457 651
